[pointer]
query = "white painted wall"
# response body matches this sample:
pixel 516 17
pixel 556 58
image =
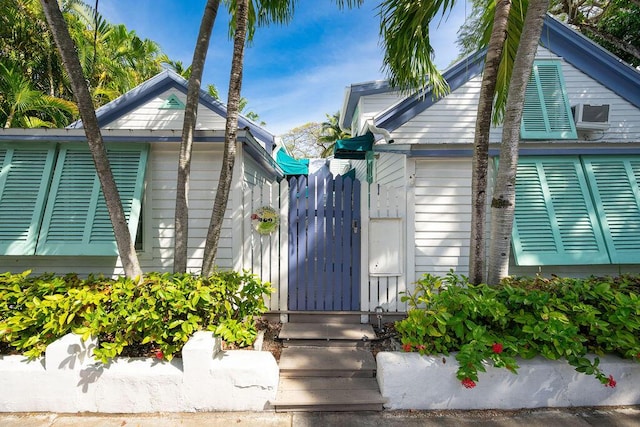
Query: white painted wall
pixel 452 119
pixel 390 169
pixel 150 116
pixel 68 379
pixel 369 106
pixel 442 215
pixel 411 381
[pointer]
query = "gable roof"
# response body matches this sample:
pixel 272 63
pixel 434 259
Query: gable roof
pixel 573 47
pixel 353 94
pixel 160 83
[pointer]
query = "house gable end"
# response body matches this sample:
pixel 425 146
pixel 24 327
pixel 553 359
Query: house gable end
pixel 415 104
pixel 576 49
pixel 354 93
pixel 591 59
pixel 163 82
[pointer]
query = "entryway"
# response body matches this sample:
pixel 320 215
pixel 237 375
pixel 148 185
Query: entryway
pixel 324 243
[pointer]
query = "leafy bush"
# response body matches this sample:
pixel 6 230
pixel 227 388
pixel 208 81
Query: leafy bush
pixel 163 311
pixel 555 318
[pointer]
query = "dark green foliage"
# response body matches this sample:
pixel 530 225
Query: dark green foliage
pixel 558 318
pixel 164 310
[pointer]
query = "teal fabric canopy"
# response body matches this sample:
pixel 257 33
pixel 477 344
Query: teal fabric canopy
pixel 354 148
pixel 291 166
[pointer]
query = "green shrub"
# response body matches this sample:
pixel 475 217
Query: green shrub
pixel 163 311
pixel 556 318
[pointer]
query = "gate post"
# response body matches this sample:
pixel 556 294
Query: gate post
pixel 364 251
pixel 283 262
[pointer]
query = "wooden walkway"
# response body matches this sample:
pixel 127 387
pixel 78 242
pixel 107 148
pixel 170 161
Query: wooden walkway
pixel 327 367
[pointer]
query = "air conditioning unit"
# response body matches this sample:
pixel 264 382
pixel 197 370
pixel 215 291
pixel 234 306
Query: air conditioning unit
pixel 591 117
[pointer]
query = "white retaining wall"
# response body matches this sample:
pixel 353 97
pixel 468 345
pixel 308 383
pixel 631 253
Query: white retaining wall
pixel 68 379
pixel 412 381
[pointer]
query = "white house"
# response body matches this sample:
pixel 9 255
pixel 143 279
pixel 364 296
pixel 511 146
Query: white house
pixel 52 215
pixel 346 245
pixel 578 192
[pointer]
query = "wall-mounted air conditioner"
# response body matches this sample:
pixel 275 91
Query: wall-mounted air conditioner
pixel 591 117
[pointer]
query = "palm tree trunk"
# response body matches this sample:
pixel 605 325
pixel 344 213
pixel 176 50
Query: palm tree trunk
pixel 480 162
pixel 72 65
pixel 188 128
pixel 231 133
pixel 504 194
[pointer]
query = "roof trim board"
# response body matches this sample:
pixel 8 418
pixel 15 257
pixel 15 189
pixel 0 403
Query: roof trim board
pixel 354 93
pixel 495 152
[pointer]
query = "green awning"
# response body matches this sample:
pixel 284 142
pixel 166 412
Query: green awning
pixel 291 166
pixel 354 148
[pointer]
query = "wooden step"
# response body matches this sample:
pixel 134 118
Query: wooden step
pixel 326 362
pixel 336 317
pixel 329 334
pixel 328 394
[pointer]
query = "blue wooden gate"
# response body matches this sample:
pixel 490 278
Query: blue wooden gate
pixel 324 243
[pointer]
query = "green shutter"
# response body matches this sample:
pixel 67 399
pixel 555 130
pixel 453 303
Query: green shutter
pixel 555 221
pixel 76 219
pixel 25 172
pixel 547 113
pixel 371 158
pixel 615 187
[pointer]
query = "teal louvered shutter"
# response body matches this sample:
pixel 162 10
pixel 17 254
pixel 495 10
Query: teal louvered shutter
pixel 555 221
pixel 25 172
pixel 546 113
pixel 615 185
pixel 76 220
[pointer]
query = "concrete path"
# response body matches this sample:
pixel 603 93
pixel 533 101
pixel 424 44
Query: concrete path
pixel 580 417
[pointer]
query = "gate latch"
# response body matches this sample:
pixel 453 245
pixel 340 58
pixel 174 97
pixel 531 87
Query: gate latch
pixel 354 225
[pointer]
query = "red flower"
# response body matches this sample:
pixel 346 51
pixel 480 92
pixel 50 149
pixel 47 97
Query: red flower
pixel 497 348
pixel 468 383
pixel 421 347
pixel 254 216
pixel 159 354
pixel 612 383
pixel 406 347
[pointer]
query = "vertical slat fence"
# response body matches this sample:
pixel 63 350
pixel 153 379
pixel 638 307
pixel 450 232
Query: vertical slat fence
pixel 386 290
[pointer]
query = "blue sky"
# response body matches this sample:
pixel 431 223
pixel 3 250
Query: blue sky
pixel 293 74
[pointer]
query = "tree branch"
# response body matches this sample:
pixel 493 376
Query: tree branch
pixel 626 47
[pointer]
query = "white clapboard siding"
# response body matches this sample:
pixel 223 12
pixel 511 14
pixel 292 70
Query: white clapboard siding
pixel 205 174
pixel 369 106
pixel 390 169
pixel 452 119
pixel 150 115
pixel 442 215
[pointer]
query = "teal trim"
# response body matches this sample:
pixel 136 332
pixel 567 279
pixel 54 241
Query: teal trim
pixel 615 187
pixel 25 172
pixel 354 148
pixel 547 113
pixel 76 220
pixel 172 103
pixel 371 158
pixel 555 221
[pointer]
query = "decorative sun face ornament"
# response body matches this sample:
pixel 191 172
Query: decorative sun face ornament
pixel 265 220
